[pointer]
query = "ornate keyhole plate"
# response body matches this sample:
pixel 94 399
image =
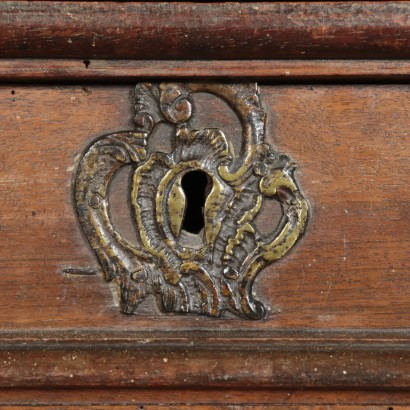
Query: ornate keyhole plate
pixel 211 269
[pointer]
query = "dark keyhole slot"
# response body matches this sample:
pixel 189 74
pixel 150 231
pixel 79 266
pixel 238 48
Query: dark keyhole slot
pixel 196 188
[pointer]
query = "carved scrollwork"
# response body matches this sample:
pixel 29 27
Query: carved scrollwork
pixel 211 271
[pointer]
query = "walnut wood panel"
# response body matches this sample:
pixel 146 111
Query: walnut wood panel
pixel 351 271
pixel 128 71
pixel 341 297
pixel 204 30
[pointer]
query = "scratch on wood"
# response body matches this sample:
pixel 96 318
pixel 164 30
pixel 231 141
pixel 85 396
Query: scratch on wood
pixel 80 271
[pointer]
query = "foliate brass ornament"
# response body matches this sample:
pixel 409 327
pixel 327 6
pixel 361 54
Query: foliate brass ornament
pixel 213 271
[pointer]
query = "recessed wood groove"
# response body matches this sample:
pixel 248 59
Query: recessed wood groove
pixel 275 71
pixel 279 339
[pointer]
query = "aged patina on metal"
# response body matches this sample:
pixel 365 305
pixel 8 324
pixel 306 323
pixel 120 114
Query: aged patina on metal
pixel 212 271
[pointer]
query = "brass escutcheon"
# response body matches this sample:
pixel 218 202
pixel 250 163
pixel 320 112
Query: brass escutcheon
pixel 210 270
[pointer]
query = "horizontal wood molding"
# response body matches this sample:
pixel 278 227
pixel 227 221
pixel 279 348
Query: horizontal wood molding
pixel 130 71
pixel 164 399
pixel 276 360
pixel 110 30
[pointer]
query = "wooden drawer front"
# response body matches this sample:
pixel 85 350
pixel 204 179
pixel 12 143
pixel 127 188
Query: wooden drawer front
pixel 349 272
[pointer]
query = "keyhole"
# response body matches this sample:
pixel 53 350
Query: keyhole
pixel 196 186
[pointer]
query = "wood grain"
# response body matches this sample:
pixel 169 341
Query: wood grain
pixel 341 297
pixel 350 271
pixel 109 30
pixel 277 71
pixel 145 399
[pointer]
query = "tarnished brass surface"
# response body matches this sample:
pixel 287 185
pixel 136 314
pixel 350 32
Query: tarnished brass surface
pixel 212 271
